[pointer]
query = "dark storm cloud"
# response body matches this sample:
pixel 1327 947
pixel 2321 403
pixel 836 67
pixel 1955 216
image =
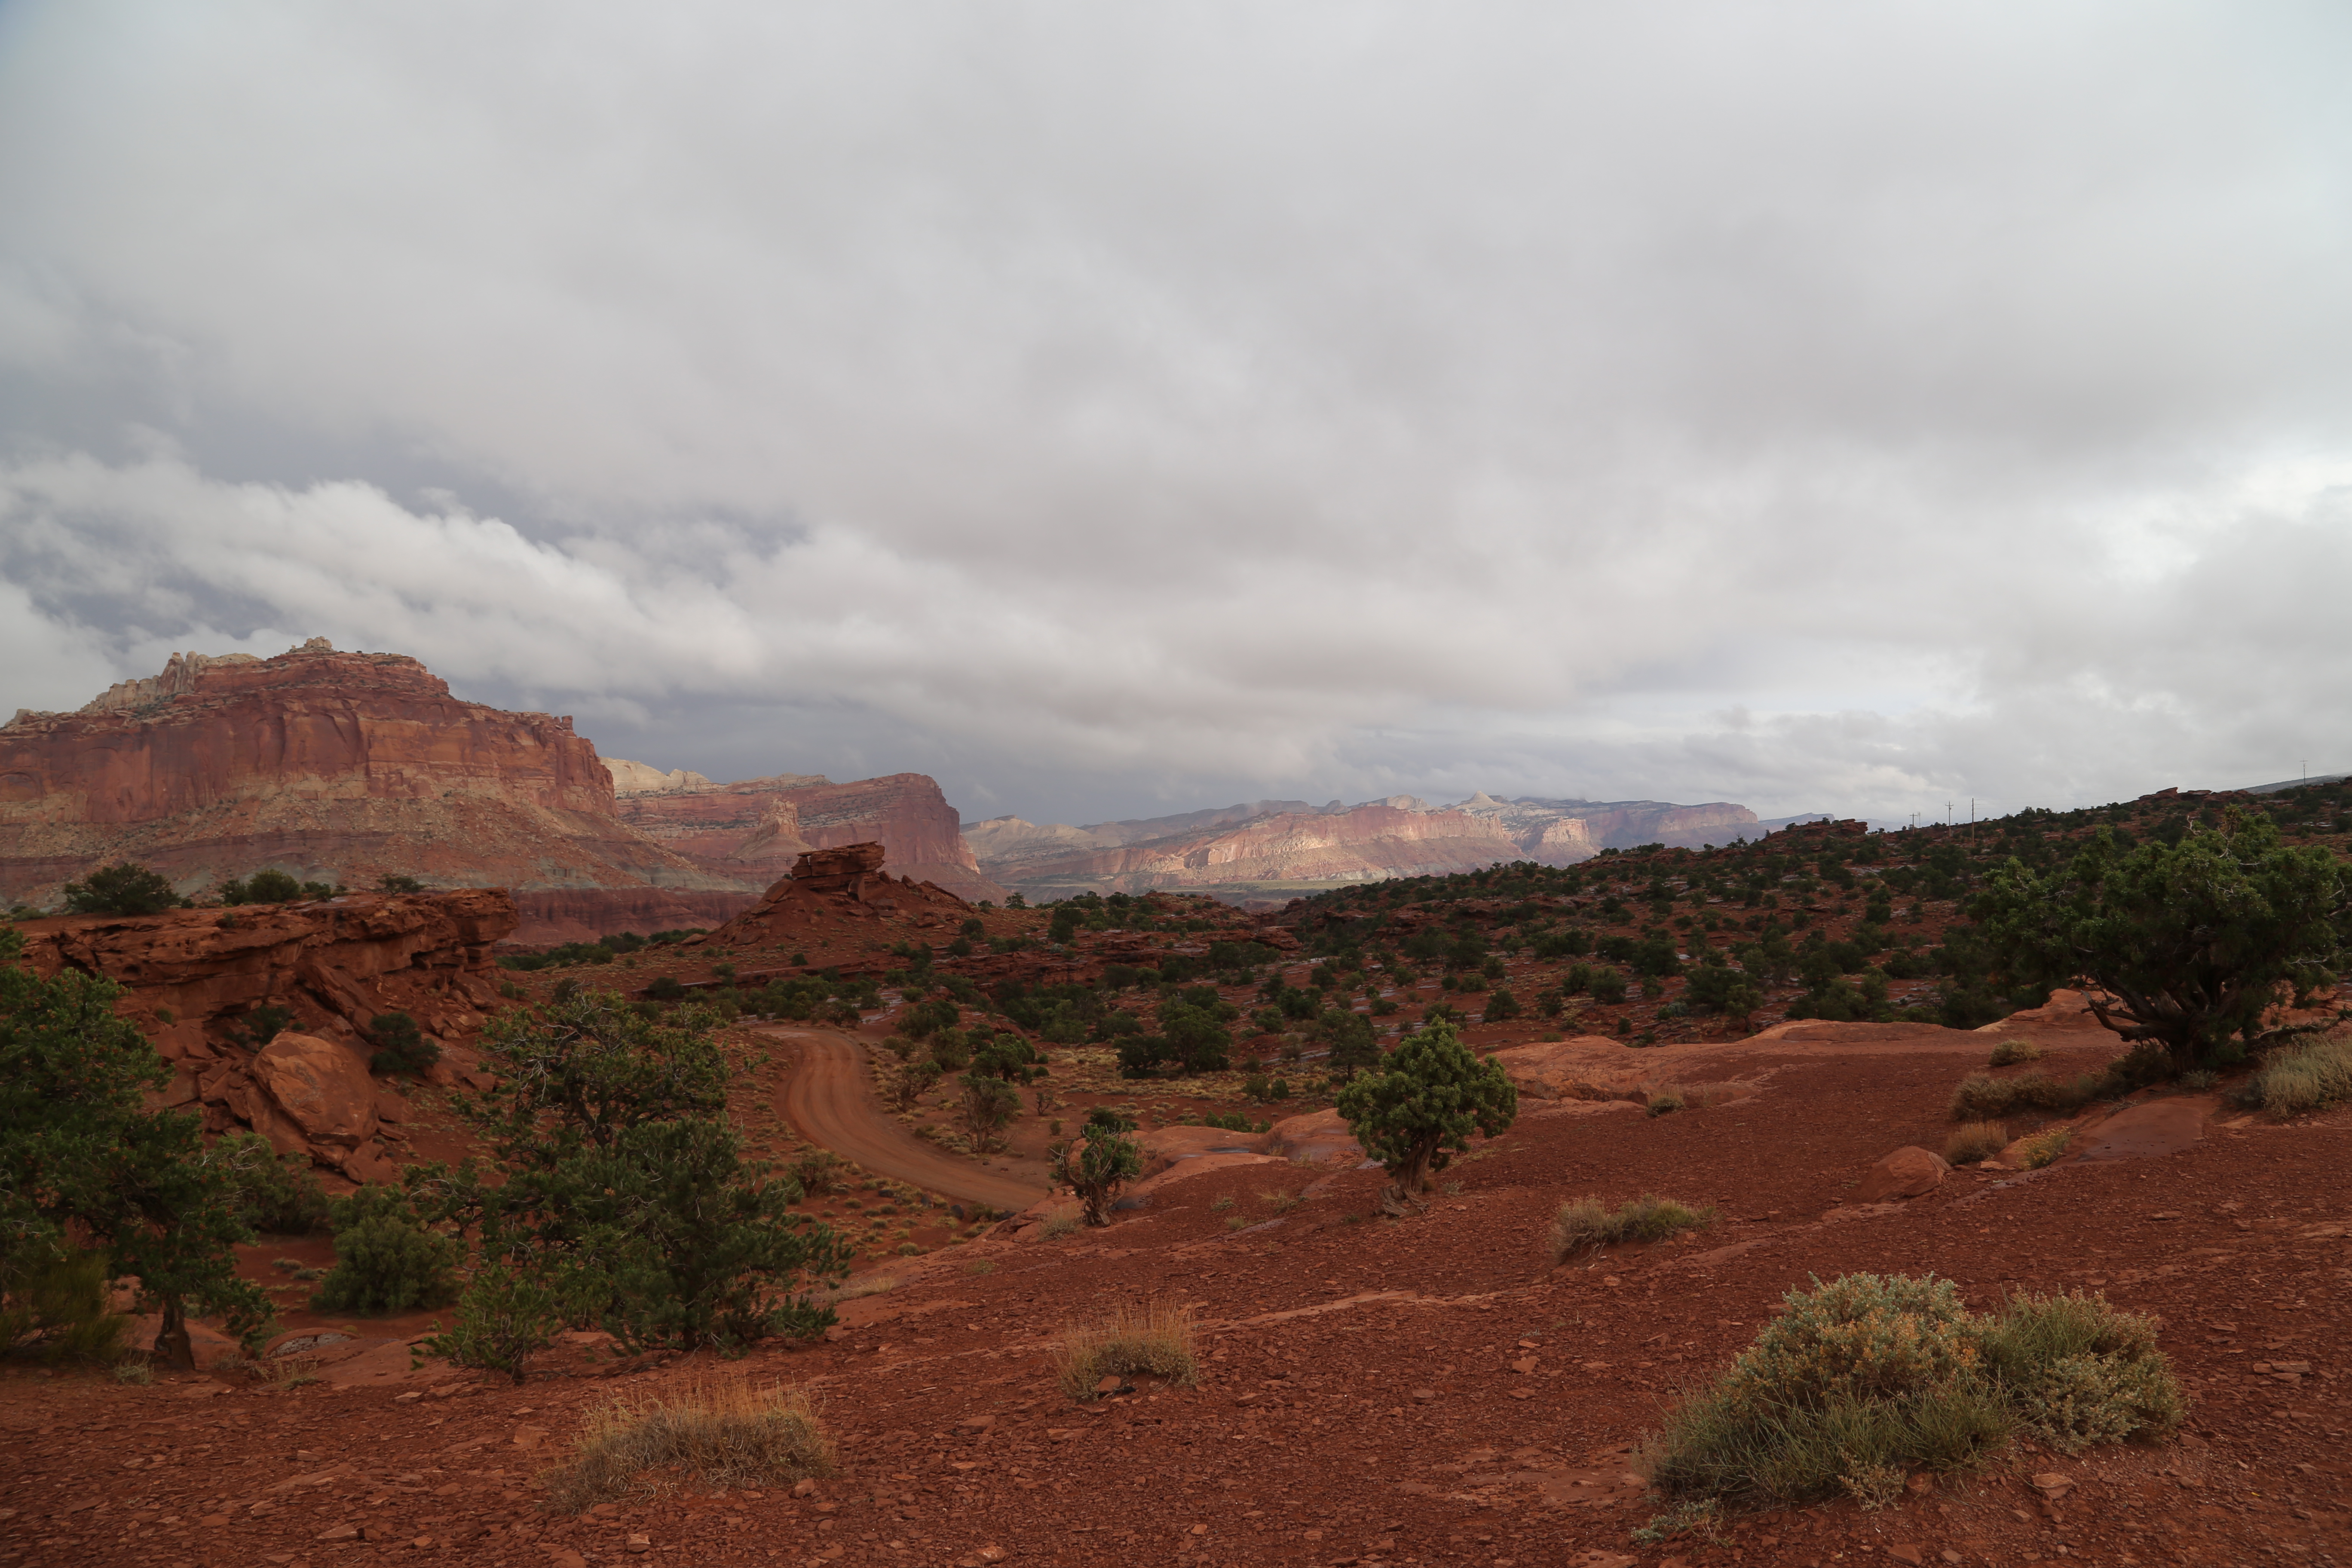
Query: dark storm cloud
pixel 1831 405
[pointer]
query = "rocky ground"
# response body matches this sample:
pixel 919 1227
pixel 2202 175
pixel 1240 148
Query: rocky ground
pixel 1431 1390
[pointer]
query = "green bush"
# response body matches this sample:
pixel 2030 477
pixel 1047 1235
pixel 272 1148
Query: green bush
pixel 122 889
pixel 272 887
pixel 1981 1097
pixel 621 1186
pixel 665 988
pixel 273 1194
pixel 60 1301
pixel 386 1261
pixel 1607 985
pixel 1501 1005
pixel 1865 1379
pixel 505 1317
pixel 2304 1078
pixel 401 1047
pixel 1423 1104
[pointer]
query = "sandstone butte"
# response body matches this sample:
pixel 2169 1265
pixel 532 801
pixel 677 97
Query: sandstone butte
pixel 759 826
pixel 1290 842
pixel 341 766
pixel 194 979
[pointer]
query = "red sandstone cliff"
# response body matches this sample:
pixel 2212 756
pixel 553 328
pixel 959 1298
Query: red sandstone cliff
pixel 757 826
pixel 330 765
pixel 194 979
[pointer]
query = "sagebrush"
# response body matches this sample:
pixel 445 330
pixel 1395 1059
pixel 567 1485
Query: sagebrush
pixel 1863 1380
pixel 1586 1225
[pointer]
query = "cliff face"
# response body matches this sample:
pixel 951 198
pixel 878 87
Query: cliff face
pixel 759 827
pixel 330 766
pixel 1563 832
pixel 1289 841
pixel 194 979
pixel 1366 843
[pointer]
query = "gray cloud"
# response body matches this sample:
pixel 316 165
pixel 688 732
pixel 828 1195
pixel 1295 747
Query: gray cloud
pixel 1849 407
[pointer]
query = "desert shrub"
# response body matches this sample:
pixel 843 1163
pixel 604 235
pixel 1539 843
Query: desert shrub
pixel 56 1308
pixel 1665 1102
pixel 1587 1225
pixel 1981 1097
pixel 269 886
pixel 988 1105
pixel 2082 1373
pixel 275 1195
pixel 909 1081
pixel 665 988
pixel 1862 1380
pixel 1421 1105
pixel 1156 1338
pixel 714 1436
pixel 2043 1147
pixel 1105 1160
pixel 1607 985
pixel 2304 1078
pixel 401 1047
pixel 820 1170
pixel 1501 1005
pixel 386 1261
pixel 951 1050
pixel 622 1188
pixel 122 889
pixel 1060 1223
pixel 2011 1052
pixel 394 882
pixel 1974 1140
pixel 505 1317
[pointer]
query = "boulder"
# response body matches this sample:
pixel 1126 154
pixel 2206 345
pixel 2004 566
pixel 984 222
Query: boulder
pixel 321 1087
pixel 1314 1137
pixel 1905 1174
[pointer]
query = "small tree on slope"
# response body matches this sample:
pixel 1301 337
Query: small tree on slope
pixel 2187 944
pixel 1420 1109
pixel 1105 1162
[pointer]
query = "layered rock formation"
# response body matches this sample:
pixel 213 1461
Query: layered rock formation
pixel 757 827
pixel 196 983
pixel 1366 843
pixel 341 767
pixel 1285 842
pixel 333 766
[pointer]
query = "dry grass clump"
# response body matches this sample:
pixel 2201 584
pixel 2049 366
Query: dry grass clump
pixel 1974 1140
pixel 1156 1338
pixel 1062 1223
pixel 2009 1053
pixel 1586 1225
pixel 1984 1098
pixel 715 1435
pixel 2043 1147
pixel 1861 1380
pixel 2310 1078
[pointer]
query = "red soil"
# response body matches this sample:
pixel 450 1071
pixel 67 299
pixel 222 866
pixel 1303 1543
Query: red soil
pixel 1428 1391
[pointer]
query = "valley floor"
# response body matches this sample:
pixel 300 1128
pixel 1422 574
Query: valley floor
pixel 1427 1391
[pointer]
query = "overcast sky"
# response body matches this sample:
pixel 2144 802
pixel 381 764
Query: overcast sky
pixel 1115 409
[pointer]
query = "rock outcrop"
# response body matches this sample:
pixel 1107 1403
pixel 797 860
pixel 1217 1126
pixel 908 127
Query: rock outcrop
pixel 333 766
pixel 759 826
pixel 197 981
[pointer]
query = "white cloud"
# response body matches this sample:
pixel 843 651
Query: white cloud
pixel 1323 398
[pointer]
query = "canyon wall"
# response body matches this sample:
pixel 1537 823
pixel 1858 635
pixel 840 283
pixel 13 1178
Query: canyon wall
pixel 1366 843
pixel 1291 842
pixel 757 826
pixel 333 766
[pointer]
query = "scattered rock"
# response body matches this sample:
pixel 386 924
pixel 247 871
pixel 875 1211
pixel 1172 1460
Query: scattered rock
pixel 1914 1555
pixel 1908 1172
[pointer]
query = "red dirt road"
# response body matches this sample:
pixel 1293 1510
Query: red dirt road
pixel 828 1098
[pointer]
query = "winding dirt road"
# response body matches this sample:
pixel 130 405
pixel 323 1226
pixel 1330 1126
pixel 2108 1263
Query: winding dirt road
pixel 828 1098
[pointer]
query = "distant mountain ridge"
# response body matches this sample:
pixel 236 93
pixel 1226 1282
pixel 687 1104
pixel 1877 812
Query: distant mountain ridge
pixel 1258 845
